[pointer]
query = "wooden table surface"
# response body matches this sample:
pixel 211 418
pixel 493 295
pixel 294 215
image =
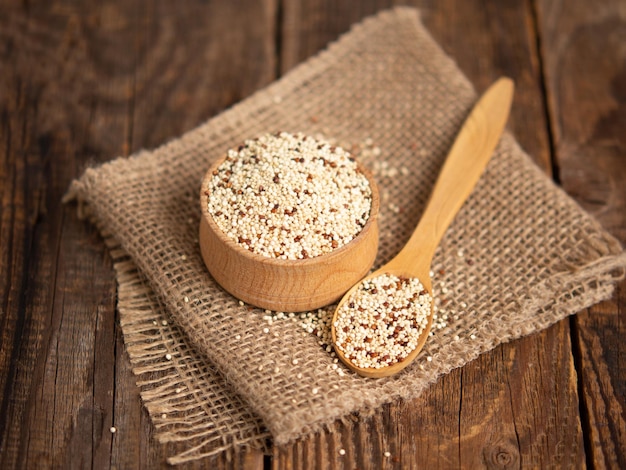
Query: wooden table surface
pixel 84 82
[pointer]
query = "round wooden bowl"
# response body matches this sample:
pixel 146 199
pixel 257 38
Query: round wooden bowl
pixel 286 285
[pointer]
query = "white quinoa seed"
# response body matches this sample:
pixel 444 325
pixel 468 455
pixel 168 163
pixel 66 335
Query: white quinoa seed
pixel 113 429
pixel 289 196
pixel 380 324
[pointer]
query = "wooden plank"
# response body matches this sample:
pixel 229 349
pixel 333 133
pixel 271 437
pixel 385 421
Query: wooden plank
pixel 194 61
pixel 584 56
pixel 68 376
pixel 83 83
pixel 60 280
pixel 493 411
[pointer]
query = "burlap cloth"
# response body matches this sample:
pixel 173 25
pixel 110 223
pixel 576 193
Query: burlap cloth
pixel 520 255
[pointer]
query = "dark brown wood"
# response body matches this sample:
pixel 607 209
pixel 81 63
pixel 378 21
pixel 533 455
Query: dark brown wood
pixel 83 82
pixel 61 291
pixel 588 118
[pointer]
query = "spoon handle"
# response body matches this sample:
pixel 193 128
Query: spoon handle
pixel 462 168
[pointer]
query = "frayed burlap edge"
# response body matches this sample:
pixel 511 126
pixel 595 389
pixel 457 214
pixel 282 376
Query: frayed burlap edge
pixel 185 397
pixel 185 402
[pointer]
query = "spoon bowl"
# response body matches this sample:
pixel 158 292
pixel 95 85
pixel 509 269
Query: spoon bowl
pixel 419 271
pixel 464 164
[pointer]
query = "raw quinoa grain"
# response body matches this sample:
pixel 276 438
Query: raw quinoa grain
pixel 289 196
pixel 381 322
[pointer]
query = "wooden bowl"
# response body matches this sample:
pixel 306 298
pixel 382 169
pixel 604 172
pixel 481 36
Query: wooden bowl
pixel 286 285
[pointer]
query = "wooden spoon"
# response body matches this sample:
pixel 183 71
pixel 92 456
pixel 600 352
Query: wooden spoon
pixel 464 164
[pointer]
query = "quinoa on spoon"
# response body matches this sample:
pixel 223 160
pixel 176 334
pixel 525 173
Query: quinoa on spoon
pixel 382 323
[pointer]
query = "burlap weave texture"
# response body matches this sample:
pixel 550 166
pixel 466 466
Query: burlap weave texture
pixel 519 256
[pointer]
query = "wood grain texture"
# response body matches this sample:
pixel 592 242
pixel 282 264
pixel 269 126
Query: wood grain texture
pixel 588 116
pixel 61 289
